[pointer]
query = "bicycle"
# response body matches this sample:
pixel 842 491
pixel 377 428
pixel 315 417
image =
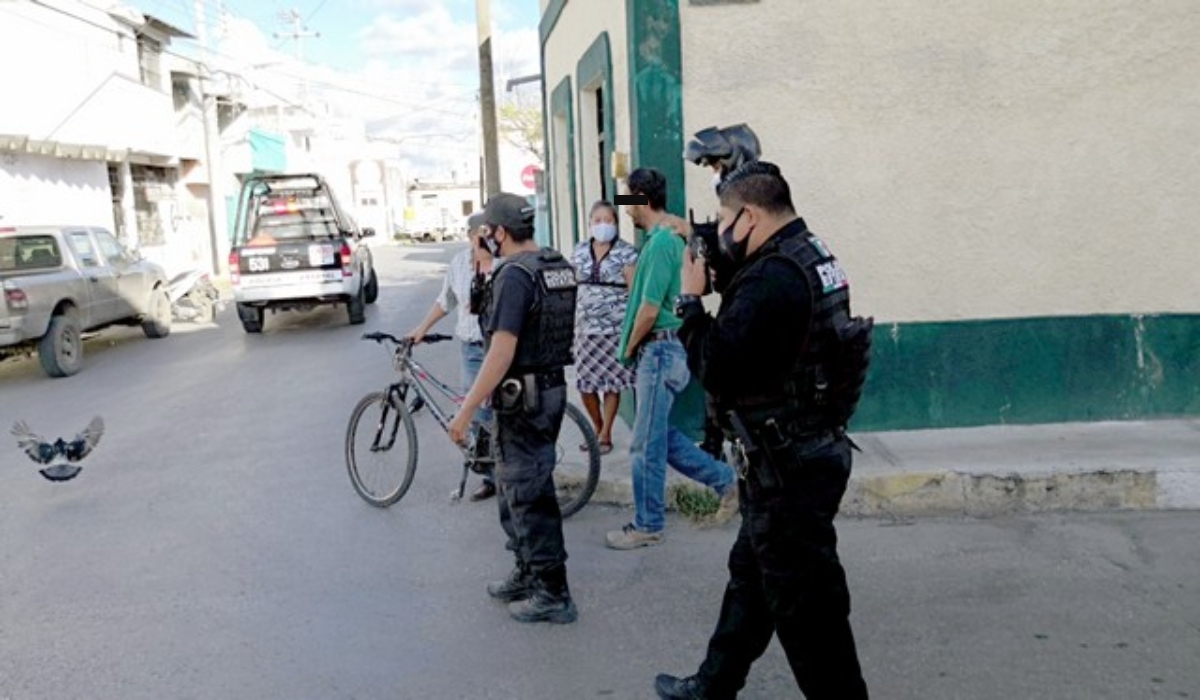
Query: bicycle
pixel 577 463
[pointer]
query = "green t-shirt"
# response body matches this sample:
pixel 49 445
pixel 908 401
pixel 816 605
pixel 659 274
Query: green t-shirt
pixel 655 282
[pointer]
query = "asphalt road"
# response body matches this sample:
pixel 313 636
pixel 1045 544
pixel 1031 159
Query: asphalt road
pixel 213 548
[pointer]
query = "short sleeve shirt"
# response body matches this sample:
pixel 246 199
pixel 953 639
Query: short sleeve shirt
pixel 600 308
pixel 513 294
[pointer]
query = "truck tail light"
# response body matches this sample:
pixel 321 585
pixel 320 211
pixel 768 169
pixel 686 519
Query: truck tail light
pixel 347 260
pixel 235 261
pixel 15 298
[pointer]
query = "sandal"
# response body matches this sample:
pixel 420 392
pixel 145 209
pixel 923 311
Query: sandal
pixel 606 447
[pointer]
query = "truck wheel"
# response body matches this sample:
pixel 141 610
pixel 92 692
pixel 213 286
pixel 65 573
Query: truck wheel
pixel 157 323
pixel 372 292
pixel 251 317
pixel 61 349
pixel 356 307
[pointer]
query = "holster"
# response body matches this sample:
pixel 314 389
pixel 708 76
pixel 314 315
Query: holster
pixel 522 393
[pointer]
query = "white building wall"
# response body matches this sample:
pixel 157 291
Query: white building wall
pixel 1022 159
pixel 85 88
pixel 43 190
pixel 580 23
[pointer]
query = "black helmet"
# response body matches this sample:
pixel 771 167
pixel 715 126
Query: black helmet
pixel 727 147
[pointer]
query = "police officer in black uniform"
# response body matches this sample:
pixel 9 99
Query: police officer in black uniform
pixel 528 323
pixel 785 313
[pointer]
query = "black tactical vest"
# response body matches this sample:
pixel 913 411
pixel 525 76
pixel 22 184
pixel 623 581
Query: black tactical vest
pixel 825 383
pixel 549 331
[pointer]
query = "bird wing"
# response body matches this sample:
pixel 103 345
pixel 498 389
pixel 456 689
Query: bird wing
pixel 85 442
pixel 34 445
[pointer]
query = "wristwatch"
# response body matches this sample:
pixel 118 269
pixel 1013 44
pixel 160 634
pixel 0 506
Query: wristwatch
pixel 686 304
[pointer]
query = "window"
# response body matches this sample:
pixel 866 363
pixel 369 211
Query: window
pixel 151 185
pixel 81 243
pixel 111 249
pixel 29 252
pixel 468 207
pixel 150 61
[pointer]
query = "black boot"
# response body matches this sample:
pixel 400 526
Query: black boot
pixel 550 602
pixel 672 688
pixel 518 586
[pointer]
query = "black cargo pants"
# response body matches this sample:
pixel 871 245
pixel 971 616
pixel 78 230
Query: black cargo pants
pixel 528 505
pixel 786 579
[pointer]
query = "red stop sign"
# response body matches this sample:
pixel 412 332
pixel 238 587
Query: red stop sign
pixel 529 177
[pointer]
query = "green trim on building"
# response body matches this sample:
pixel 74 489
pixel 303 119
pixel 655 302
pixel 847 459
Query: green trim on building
pixel 549 19
pixel 656 91
pixel 594 70
pixel 560 104
pixel 1031 370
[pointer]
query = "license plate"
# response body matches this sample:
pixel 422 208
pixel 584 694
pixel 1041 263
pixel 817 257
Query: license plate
pixel 320 255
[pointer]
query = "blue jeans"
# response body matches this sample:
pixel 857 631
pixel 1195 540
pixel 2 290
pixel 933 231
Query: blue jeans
pixel 662 373
pixel 472 360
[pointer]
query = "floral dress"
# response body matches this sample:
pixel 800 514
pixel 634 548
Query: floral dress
pixel 599 314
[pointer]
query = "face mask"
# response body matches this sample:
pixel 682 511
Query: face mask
pixel 489 243
pixel 734 251
pixel 604 233
pixel 716 182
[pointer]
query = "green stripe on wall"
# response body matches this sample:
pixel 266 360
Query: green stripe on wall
pixel 560 105
pixel 549 19
pixel 656 91
pixel 1031 370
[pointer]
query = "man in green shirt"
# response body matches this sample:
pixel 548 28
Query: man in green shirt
pixel 649 342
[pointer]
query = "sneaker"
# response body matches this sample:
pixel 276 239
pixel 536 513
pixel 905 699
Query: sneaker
pixel 629 537
pixel 544 607
pixel 728 506
pixel 518 586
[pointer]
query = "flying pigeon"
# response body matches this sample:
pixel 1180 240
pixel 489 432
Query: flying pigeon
pixel 44 452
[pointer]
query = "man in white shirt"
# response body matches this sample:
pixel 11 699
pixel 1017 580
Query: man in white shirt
pixel 456 294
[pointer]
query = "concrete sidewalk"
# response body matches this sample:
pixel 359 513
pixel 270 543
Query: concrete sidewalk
pixel 996 469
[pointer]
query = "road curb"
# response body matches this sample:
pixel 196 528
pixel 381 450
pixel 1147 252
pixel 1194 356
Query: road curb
pixel 948 493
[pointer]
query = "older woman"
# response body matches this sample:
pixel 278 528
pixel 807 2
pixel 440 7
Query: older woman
pixel 604 265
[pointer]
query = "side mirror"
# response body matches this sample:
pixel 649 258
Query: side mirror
pixel 368 232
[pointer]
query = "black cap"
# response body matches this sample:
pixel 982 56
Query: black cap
pixel 475 221
pixel 511 211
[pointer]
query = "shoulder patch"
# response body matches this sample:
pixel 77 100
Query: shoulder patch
pixel 820 246
pixel 833 277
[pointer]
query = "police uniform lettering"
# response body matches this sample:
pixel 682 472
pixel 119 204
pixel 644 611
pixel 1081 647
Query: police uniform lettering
pixel 561 278
pixel 832 276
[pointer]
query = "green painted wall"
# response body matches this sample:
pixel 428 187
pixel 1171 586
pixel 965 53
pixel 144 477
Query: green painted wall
pixel 1032 370
pixel 560 105
pixel 656 92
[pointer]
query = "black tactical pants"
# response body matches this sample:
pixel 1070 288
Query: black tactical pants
pixel 528 505
pixel 786 579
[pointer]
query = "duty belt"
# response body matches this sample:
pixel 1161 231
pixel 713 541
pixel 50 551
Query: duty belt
pixel 551 379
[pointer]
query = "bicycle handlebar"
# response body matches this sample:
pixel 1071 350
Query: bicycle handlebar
pixel 380 336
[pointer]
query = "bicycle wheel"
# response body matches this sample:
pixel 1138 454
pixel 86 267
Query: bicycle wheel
pixel 381 449
pixel 576 470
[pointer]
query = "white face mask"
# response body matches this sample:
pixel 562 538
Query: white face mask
pixel 716 181
pixel 605 233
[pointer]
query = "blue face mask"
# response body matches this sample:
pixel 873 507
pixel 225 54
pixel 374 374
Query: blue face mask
pixel 604 233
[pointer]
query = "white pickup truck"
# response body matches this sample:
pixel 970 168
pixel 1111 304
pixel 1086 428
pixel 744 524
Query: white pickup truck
pixel 60 281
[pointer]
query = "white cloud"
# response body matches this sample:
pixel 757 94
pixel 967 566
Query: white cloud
pixel 417 88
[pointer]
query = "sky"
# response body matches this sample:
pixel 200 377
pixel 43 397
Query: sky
pixel 410 67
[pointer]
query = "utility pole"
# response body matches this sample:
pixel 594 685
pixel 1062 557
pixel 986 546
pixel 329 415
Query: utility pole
pixel 487 99
pixel 218 244
pixel 298 34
